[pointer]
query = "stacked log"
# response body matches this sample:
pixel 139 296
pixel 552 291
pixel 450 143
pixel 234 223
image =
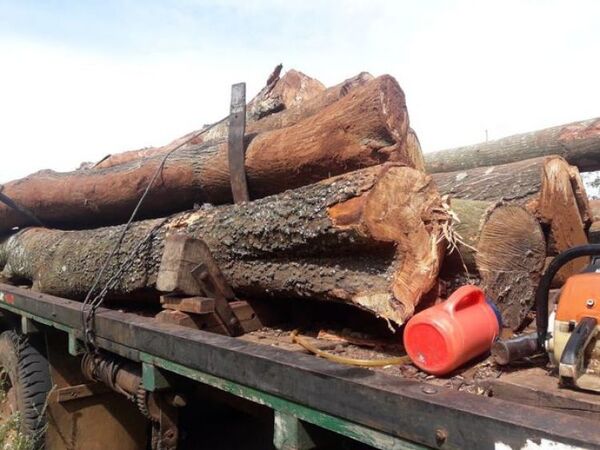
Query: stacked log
pixel 372 238
pixel 341 209
pixel 366 127
pixel 295 96
pixel 577 142
pixel 513 219
pixel 503 247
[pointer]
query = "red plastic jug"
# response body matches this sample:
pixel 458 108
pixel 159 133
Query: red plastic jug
pixel 445 336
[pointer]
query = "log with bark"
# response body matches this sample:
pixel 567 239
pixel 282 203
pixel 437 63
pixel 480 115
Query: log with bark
pixel 565 211
pixel 279 93
pixel 577 142
pixel 366 127
pixel 504 246
pixel 548 187
pixel 372 238
pixel 290 99
pixel 519 182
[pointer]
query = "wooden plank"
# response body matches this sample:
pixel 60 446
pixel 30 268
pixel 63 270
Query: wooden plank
pixel 536 387
pixel 209 322
pixel 69 393
pixel 179 258
pixel 196 305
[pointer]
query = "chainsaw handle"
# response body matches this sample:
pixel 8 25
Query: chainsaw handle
pixel 543 290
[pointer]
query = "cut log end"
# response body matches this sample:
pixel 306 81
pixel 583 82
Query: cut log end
pixel 562 208
pixel 403 207
pixel 510 257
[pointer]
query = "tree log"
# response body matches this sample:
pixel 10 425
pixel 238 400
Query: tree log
pixel 371 238
pixel 519 182
pixel 294 97
pixel 559 209
pixel 365 128
pixel 577 142
pixel 548 187
pixel 505 245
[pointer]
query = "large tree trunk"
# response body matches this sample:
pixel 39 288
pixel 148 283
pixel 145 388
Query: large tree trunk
pixel 372 238
pixel 519 182
pixel 548 187
pixel 292 98
pixel 366 128
pixel 577 142
pixel 504 245
pixel 565 211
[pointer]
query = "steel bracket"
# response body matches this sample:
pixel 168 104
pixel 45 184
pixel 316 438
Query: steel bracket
pixel 153 379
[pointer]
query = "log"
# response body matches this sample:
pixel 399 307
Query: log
pixel 559 210
pixel 371 238
pixel 297 95
pixel 365 128
pixel 504 244
pixel 577 142
pixel 519 182
pixel 548 187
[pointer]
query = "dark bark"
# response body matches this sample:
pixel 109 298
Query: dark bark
pixel 370 238
pixel 365 128
pixel 577 142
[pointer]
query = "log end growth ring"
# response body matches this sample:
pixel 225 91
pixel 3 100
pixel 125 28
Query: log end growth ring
pixel 510 258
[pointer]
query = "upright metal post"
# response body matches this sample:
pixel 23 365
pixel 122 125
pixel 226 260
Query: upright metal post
pixel 237 129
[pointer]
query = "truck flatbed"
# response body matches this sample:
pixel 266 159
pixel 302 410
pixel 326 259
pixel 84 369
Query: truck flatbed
pixel 383 411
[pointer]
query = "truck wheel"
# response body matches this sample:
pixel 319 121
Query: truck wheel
pixel 25 378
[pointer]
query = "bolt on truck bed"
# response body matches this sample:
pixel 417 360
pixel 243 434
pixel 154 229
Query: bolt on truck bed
pixel 383 411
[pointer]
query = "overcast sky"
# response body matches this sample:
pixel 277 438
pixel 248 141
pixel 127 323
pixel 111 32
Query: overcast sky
pixel 82 79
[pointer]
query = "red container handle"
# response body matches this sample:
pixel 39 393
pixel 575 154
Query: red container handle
pixel 464 297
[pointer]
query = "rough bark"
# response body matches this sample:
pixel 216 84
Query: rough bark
pixel 294 97
pixel 519 182
pixel 365 128
pixel 577 142
pixel 371 238
pixel 505 245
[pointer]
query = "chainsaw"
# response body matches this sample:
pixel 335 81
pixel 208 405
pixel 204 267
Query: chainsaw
pixel 568 330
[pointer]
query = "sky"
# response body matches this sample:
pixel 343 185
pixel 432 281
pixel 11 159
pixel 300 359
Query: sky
pixel 83 79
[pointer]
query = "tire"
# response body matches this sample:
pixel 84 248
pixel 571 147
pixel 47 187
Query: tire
pixel 27 373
